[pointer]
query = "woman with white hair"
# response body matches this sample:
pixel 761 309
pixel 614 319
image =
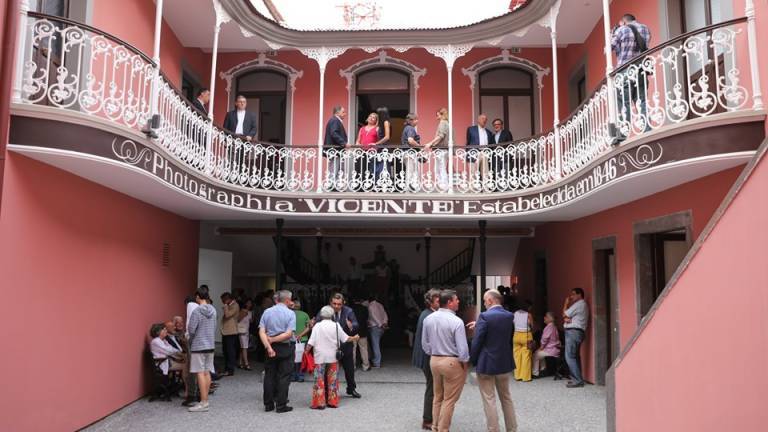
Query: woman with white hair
pixel 327 336
pixel 550 345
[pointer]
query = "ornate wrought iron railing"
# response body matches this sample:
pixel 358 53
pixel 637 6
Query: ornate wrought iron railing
pixel 76 67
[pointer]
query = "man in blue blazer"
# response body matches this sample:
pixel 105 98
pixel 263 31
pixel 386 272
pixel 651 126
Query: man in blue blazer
pixel 240 121
pixel 491 354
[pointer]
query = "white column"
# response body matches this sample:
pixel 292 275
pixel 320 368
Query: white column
pixel 556 93
pixel 754 64
pixel 612 110
pixel 450 124
pixel 319 168
pixel 449 53
pixel 322 55
pixel 214 58
pixel 153 101
pixel 21 53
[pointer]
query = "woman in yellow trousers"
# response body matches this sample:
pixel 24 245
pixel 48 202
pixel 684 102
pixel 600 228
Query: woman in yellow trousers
pixel 523 356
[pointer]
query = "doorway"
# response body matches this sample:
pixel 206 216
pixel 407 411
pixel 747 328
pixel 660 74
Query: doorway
pixel 266 92
pixel 606 294
pixel 383 87
pixel 661 245
pixel 540 297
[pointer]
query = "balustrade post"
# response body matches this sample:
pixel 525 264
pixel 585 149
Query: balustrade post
pixel 556 91
pixel 754 64
pixel 612 102
pixel 21 54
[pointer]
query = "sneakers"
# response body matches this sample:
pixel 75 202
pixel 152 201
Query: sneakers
pixel 200 407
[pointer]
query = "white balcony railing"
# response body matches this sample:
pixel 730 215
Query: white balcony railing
pixel 72 66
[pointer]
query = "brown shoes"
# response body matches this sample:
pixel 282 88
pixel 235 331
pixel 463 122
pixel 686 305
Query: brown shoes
pixel 426 426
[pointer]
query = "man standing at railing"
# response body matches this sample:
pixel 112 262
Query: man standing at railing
pixel 630 39
pixel 335 141
pixel 202 99
pixel 479 136
pixel 240 121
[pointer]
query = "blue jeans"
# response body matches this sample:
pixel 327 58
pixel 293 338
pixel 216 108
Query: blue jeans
pixel 573 340
pixel 375 336
pixel 297 373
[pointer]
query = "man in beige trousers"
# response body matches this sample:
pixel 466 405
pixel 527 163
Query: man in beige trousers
pixel 445 341
pixel 491 354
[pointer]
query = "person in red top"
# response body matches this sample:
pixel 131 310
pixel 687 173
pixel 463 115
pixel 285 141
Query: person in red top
pixel 366 140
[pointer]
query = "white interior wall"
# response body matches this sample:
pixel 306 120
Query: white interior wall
pixel 215 270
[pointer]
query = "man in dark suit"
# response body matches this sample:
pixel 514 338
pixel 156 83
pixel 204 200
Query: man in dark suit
pixel 500 133
pixel 335 138
pixel 202 99
pixel 241 122
pixel 345 316
pixel 479 136
pixel 491 353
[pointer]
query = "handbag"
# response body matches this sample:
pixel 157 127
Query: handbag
pixel 339 352
pixel 530 344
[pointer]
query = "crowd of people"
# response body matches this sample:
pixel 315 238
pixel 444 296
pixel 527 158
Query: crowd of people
pixel 279 332
pixel 502 348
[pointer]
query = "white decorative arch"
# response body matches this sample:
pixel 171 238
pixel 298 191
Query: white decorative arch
pixel 381 60
pixel 261 62
pixel 506 58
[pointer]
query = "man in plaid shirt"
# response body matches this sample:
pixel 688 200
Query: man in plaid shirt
pixel 626 43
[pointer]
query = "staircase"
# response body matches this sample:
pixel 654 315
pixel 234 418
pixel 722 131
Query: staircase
pixel 295 266
pixel 456 270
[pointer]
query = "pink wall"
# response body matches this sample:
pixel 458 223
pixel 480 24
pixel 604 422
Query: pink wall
pixel 699 364
pixel 83 281
pixel 134 22
pixel 568 248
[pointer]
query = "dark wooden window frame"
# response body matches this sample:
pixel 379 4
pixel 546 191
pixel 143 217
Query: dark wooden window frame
pixel 644 272
pixel 505 93
pixel 600 324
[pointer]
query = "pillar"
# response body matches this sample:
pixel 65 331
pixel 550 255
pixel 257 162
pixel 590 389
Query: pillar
pixel 319 255
pixel 556 92
pixel 278 254
pixel 483 273
pixel 428 251
pixel 754 64
pixel 612 110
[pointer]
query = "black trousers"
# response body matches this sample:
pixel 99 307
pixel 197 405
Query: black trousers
pixel 429 393
pixel 277 375
pixel 229 345
pixel 348 363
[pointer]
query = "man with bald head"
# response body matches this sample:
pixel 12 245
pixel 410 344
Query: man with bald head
pixel 491 353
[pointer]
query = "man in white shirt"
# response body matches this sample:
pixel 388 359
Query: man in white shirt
pixel 240 121
pixel 576 316
pixel 378 322
pixel 478 135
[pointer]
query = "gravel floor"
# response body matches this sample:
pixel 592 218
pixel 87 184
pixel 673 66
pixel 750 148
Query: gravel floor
pixel 392 401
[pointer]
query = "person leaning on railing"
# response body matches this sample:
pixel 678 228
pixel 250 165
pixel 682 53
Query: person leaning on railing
pixel 367 138
pixel 630 39
pixel 335 138
pixel 411 139
pixel 440 141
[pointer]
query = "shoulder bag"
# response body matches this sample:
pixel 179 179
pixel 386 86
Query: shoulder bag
pixel 339 352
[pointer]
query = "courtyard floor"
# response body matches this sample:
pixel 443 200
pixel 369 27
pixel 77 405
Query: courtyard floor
pixel 392 401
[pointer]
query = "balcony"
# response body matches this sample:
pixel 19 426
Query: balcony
pixel 675 106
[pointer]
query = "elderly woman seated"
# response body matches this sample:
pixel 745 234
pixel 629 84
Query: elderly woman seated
pixel 326 337
pixel 550 344
pixel 167 357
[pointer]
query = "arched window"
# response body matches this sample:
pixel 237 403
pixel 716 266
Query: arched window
pixel 507 93
pixel 266 92
pixel 384 87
